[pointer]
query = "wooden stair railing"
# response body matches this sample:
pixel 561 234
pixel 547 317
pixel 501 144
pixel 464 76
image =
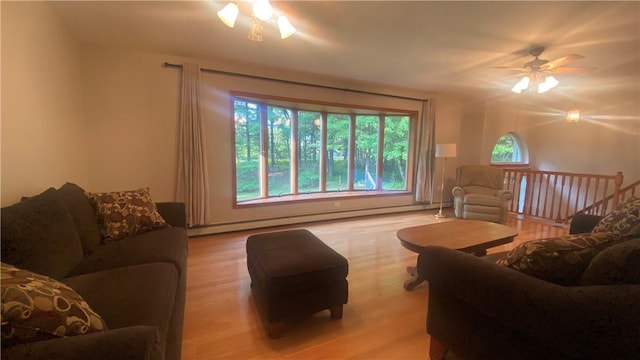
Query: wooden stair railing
pixel 626 192
pixel 558 196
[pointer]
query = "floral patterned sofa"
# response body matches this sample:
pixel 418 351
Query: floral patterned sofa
pixel 93 276
pixel 572 297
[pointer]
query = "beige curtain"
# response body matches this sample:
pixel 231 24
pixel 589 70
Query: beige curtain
pixel 426 152
pixel 192 186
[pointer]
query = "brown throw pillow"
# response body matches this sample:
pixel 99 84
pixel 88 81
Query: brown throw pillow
pixel 560 260
pixel 126 213
pixel 624 220
pixel 36 307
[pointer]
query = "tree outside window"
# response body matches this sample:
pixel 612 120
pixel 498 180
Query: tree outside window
pixel 508 149
pixel 292 150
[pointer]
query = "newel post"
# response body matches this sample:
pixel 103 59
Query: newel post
pixel 616 190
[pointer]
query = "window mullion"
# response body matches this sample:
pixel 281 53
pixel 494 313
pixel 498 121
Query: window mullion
pixel 323 153
pixel 294 151
pixel 352 151
pixel 380 150
pixel 264 152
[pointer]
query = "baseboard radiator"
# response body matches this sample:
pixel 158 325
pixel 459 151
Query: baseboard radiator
pixel 290 220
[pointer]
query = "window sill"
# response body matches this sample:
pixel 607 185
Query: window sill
pixel 509 165
pixel 328 196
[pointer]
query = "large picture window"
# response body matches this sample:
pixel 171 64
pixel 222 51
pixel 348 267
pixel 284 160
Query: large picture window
pixel 282 151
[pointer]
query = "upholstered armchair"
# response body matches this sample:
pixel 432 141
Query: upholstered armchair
pixel 479 194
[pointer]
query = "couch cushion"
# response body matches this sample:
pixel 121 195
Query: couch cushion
pixel 83 216
pixel 124 213
pixel 624 220
pixel 132 295
pixel 560 260
pixel 164 245
pixel 618 264
pixel 36 307
pixel 38 234
pixel 483 200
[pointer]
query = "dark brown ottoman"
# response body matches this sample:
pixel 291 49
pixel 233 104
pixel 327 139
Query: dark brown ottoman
pixel 294 273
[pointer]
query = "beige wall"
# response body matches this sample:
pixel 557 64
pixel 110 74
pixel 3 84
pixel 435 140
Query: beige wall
pixel 43 130
pixel 131 111
pixel 606 139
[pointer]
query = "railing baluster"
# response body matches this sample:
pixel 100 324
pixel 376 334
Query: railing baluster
pixel 575 206
pixel 595 195
pixel 539 187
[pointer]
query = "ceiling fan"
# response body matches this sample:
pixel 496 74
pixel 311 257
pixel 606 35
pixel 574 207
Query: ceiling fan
pixel 538 72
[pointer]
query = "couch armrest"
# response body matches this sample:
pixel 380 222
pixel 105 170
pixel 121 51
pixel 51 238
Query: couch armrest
pixel 582 223
pixel 504 195
pixel 173 213
pixel 599 321
pixel 457 191
pixel 458 196
pixel 134 343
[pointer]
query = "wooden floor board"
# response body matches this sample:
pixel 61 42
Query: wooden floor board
pixel 381 319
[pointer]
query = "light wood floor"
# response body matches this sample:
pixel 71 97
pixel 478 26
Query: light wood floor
pixel 381 319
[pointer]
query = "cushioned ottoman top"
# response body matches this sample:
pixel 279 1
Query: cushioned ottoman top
pixel 293 260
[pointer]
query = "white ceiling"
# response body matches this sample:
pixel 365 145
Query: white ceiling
pixel 423 45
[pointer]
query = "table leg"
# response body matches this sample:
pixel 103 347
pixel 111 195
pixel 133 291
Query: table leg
pixel 415 278
pixel 479 253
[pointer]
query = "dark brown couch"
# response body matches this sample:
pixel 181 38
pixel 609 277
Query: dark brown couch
pixel 137 284
pixel 480 310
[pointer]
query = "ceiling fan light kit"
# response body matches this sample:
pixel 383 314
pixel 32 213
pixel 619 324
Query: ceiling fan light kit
pixel 262 11
pixel 537 78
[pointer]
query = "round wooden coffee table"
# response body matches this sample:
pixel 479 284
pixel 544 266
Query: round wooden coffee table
pixel 470 236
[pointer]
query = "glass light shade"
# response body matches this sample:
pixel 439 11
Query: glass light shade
pixel 521 85
pixel 228 14
pixel 262 9
pixel 286 29
pixel 573 116
pixel 549 83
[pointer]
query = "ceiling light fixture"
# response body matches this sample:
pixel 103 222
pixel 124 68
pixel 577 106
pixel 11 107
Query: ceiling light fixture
pixel 573 116
pixel 536 81
pixel 262 11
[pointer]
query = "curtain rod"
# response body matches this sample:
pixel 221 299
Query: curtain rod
pixel 290 82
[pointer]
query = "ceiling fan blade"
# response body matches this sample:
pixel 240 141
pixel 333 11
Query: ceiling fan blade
pixel 571 70
pixel 511 68
pixel 561 61
pixel 518 75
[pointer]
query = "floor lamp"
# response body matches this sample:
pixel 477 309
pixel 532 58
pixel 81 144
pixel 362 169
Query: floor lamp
pixel 444 151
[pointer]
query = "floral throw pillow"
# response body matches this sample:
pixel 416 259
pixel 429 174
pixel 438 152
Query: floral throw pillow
pixel 36 307
pixel 560 260
pixel 125 213
pixel 624 220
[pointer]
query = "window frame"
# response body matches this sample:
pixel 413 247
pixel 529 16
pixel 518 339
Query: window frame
pixel 325 109
pixel 522 148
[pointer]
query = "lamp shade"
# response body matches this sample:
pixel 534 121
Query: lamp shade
pixel 286 29
pixel 521 85
pixel 262 9
pixel 445 150
pixel 549 83
pixel 229 14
